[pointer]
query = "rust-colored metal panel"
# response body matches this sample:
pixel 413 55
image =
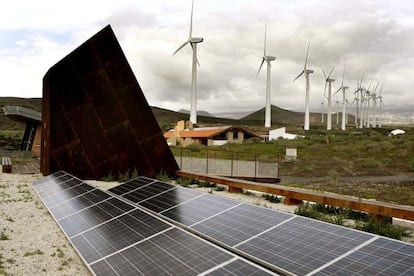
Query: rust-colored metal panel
pixel 96 120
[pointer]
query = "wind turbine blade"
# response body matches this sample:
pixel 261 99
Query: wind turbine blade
pixel 191 20
pixel 260 68
pixel 362 77
pixel 343 76
pixel 307 54
pixel 339 89
pixel 324 90
pixel 324 74
pixel 333 68
pixel 299 75
pixel 264 54
pixel 179 48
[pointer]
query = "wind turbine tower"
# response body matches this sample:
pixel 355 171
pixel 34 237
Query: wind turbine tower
pixel 381 104
pixel 329 81
pixel 268 59
pixel 343 88
pixel 193 41
pixel 307 72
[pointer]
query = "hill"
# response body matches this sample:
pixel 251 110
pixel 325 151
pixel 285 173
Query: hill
pixel 281 116
pixel 168 118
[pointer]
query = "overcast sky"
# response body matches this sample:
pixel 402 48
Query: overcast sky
pixel 369 36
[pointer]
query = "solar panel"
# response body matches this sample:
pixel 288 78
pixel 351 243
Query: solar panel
pixel 288 242
pixel 301 245
pixel 240 223
pixel 114 237
pixel 381 257
pixel 131 185
pixel 147 191
pixel 170 199
pixel 196 210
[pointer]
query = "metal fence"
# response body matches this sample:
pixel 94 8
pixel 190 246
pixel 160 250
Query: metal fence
pixel 225 163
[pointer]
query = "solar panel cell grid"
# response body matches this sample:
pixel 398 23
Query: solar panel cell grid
pixel 302 245
pixel 78 203
pixel 380 257
pixel 147 191
pixel 238 267
pixel 131 185
pixel 240 223
pixel 169 199
pixel 194 211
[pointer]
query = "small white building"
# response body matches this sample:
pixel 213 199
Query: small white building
pixel 281 133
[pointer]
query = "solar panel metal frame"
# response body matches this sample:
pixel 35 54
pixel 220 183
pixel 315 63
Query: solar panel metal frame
pixel 134 208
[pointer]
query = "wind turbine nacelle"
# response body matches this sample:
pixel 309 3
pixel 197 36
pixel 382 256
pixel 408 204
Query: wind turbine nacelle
pixel 269 58
pixel 309 71
pixel 196 40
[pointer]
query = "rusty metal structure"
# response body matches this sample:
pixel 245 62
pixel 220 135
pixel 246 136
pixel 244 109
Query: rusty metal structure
pixel 95 118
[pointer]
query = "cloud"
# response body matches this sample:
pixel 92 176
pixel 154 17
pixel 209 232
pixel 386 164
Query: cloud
pixel 374 38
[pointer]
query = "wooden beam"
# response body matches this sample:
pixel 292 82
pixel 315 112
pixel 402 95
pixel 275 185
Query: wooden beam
pixel 377 208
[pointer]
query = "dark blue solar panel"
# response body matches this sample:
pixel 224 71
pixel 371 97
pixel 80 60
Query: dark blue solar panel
pixel 169 199
pixel 238 267
pixel 147 191
pixel 76 204
pixel 301 245
pixel 131 185
pixel 202 207
pixel 240 223
pixel 116 234
pixel 94 215
pixel 154 256
pixel 380 257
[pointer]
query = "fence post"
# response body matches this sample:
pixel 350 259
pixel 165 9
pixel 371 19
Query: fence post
pixel 181 159
pixel 255 165
pixel 232 157
pixel 207 162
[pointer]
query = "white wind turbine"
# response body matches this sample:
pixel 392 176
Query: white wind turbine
pixel 343 88
pixel 193 41
pixel 306 72
pixel 374 106
pixel 381 104
pixel 268 59
pixel 329 81
pixel 358 100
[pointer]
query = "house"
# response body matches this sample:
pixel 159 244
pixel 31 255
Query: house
pixel 184 134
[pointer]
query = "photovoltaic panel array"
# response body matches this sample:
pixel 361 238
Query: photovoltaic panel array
pixel 115 237
pixel 291 243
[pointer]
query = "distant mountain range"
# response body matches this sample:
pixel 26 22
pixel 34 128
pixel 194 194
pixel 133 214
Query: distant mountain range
pixel 168 118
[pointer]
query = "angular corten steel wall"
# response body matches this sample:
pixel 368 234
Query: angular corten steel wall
pixel 95 118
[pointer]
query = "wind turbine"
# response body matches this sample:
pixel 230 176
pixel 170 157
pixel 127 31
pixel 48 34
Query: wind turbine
pixel 329 81
pixel 268 59
pixel 343 88
pixel 374 106
pixel 368 106
pixel 306 72
pixel 193 41
pixel 358 101
pixel 381 104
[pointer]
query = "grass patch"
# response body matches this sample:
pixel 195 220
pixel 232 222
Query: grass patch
pixel 220 188
pixel 363 222
pixel 4 236
pixel 271 198
pixel 32 253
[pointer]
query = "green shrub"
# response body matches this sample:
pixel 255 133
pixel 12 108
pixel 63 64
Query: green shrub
pixel 383 228
pixel 411 164
pixel 271 198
